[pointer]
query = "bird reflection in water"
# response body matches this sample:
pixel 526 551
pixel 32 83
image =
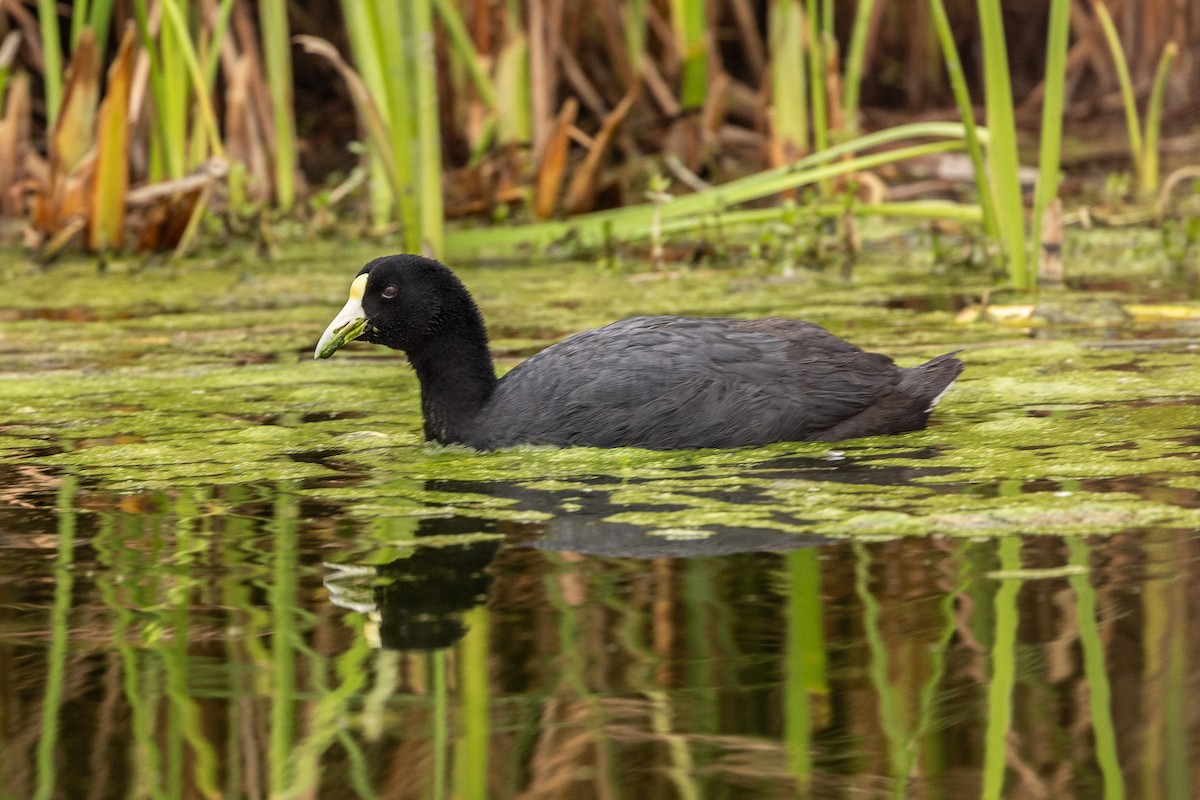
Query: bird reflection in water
pixel 418 602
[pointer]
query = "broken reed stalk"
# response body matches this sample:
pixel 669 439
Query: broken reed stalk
pixel 514 88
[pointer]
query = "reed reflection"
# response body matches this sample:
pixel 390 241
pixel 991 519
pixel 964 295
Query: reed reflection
pixel 196 643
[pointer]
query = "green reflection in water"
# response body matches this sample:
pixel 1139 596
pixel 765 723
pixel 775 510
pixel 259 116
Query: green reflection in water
pixel 471 752
pixel 328 717
pixel 710 665
pixel 440 714
pixel 56 658
pixel 284 639
pixel 890 705
pixel 192 539
pixel 1100 694
pixel 1165 762
pixel 905 732
pixel 640 660
pixel 576 604
pixel 1003 672
pixel 805 661
pixel 244 623
pixel 386 666
pixel 631 629
pixel 117 559
pixel 928 717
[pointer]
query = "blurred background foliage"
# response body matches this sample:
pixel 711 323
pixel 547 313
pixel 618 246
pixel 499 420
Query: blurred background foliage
pixel 132 125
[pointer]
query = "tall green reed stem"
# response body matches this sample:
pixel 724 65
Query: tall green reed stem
pixel 688 19
pixel 1148 182
pixel 817 68
pixel 392 21
pixel 277 51
pixel 52 58
pixel 855 56
pixel 789 90
pixel 399 107
pixel 1124 81
pixel 962 99
pixel 96 15
pixel 212 55
pixel 176 80
pixel 1143 142
pixel 428 134
pixel 374 115
pixel 460 40
pixel 1052 116
pixel 187 50
pixel 635 34
pixel 100 21
pixel 173 113
pixel 1002 153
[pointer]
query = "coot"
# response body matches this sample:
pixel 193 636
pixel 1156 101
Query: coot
pixel 657 382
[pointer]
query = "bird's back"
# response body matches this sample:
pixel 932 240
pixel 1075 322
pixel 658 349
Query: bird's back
pixel 685 382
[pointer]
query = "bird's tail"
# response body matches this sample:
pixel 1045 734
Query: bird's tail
pixel 926 383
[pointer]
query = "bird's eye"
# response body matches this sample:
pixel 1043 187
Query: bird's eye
pixel 389 292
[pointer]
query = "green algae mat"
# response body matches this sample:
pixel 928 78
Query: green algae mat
pixel 228 570
pixel 201 374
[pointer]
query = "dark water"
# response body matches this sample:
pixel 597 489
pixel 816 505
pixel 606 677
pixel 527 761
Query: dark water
pixel 245 641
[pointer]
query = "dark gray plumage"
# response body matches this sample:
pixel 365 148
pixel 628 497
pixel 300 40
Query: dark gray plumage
pixel 656 382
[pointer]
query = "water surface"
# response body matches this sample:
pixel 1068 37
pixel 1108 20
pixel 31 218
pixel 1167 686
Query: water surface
pixel 228 571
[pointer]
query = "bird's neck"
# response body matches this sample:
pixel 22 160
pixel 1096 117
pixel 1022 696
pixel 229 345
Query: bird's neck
pixel 457 379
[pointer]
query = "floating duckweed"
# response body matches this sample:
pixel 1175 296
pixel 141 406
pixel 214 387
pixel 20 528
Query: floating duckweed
pixel 204 376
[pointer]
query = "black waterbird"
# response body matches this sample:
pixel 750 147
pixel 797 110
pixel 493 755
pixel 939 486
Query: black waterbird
pixel 657 382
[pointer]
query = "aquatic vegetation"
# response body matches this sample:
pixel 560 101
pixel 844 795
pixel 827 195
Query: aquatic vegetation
pixel 998 180
pixel 205 527
pixel 542 114
pixel 1143 139
pixel 211 384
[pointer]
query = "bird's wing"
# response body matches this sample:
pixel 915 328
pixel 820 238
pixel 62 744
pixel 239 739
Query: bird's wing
pixel 687 382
